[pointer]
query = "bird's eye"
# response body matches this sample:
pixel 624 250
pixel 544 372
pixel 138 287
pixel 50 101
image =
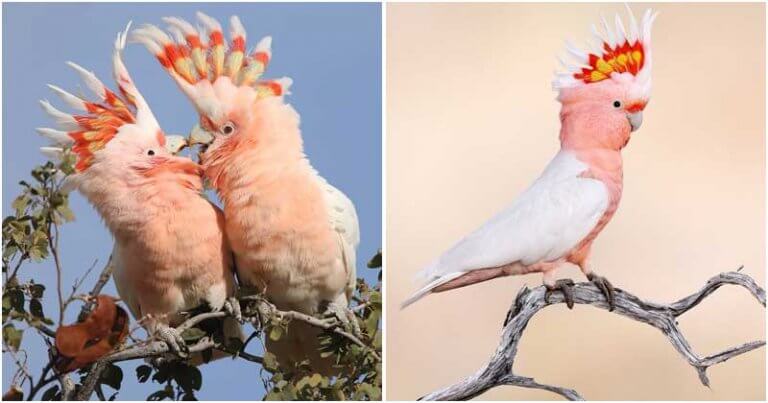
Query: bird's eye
pixel 617 104
pixel 227 129
pixel 150 152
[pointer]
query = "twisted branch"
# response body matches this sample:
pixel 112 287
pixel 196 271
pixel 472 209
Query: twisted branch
pixel 499 371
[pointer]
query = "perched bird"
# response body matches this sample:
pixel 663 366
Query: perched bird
pixel 557 218
pixel 170 254
pixel 293 234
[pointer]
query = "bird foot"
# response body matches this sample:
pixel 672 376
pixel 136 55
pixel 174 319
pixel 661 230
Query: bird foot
pixel 565 286
pixel 173 339
pixel 232 307
pixel 344 316
pixel 605 287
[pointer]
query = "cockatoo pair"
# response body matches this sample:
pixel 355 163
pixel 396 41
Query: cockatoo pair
pixel 557 218
pixel 284 230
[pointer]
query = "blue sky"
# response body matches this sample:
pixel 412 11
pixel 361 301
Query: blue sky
pixel 333 54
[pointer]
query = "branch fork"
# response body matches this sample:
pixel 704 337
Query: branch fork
pixel 499 370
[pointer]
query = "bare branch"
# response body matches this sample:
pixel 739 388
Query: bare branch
pixel 499 370
pixel 53 244
pixel 95 373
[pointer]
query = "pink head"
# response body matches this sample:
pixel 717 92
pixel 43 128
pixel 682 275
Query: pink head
pixel 116 141
pixel 238 110
pixel 603 93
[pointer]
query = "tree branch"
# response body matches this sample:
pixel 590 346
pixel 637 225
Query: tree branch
pixel 95 373
pixel 155 348
pixel 329 324
pixel 499 370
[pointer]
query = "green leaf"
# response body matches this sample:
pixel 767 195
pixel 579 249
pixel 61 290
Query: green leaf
pixel 270 362
pixel 12 336
pixel 192 334
pixel 36 308
pixel 65 212
pixel 189 378
pixel 143 372
pixel 112 376
pixel 16 297
pixel 315 380
pixel 52 393
pixel 162 394
pixel 275 333
pixel 20 204
pixel 375 261
pixel 9 251
pixel 37 254
pixel 197 378
pixel 37 290
pixel 207 355
pixel 68 163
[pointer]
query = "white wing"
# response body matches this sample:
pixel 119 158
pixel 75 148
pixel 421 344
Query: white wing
pixel 343 219
pixel 550 218
pixel 120 276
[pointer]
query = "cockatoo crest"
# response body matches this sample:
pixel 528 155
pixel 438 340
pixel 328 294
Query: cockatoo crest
pixel 102 121
pixel 617 53
pixel 197 66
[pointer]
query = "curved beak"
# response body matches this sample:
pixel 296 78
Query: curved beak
pixel 175 143
pixel 635 119
pixel 199 136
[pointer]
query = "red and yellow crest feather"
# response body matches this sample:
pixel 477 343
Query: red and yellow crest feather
pixel 191 56
pixel 99 122
pixel 189 59
pixel 620 59
pixel 618 51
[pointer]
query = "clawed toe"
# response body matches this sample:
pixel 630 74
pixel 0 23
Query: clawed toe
pixel 232 307
pixel 344 316
pixel 173 339
pixel 606 288
pixel 566 287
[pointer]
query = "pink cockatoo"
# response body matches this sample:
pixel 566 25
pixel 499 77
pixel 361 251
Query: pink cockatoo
pixel 293 234
pixel 557 218
pixel 171 254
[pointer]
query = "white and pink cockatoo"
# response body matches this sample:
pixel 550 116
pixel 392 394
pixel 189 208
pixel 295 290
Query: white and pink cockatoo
pixel 171 254
pixel 557 218
pixel 293 234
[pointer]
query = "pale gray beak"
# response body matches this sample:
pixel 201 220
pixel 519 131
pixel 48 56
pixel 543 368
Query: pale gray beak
pixel 175 143
pixel 635 120
pixel 200 136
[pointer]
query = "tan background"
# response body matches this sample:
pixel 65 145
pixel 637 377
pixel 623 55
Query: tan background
pixel 472 120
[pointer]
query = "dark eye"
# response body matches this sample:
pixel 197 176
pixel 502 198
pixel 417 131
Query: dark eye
pixel 617 104
pixel 228 128
pixel 151 152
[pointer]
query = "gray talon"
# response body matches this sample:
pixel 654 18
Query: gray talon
pixel 345 316
pixel 606 288
pixel 173 339
pixel 565 285
pixel 232 307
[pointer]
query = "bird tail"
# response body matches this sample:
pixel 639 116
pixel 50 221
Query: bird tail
pixel 427 289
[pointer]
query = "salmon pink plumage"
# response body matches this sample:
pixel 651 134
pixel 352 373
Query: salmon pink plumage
pixel 558 217
pixel 293 234
pixel 170 254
